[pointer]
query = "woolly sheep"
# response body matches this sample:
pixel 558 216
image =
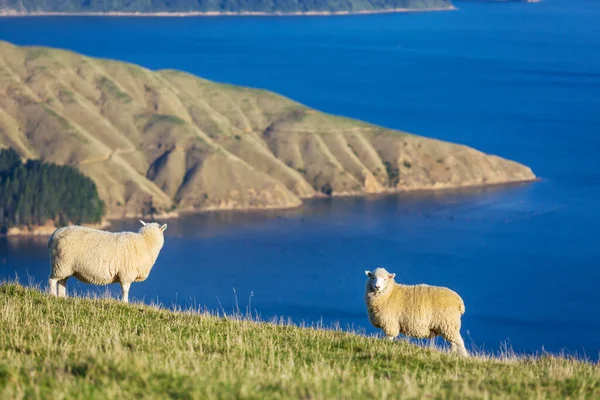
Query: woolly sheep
pixel 419 311
pixel 100 257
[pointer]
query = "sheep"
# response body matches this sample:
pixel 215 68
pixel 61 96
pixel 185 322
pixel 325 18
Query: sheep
pixel 419 311
pixel 101 258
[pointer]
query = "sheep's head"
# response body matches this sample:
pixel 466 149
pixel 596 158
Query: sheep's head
pixel 153 229
pixel 154 224
pixel 379 280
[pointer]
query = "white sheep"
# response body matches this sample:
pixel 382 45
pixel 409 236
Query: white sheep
pixel 100 257
pixel 419 311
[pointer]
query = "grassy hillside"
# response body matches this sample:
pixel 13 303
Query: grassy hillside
pixel 102 349
pixel 223 6
pixel 177 140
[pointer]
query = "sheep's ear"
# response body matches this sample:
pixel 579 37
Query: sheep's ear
pixel 369 274
pixel 143 223
pixel 392 276
pixel 163 228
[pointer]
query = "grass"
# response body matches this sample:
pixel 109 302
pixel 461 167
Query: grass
pixel 110 88
pixel 135 70
pixel 63 121
pixel 170 119
pixel 100 348
pixel 66 95
pixel 37 52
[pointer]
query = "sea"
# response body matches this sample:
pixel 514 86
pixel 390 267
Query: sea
pixel 519 80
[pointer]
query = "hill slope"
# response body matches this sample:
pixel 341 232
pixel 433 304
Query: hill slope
pixel 181 141
pixel 221 6
pixel 81 348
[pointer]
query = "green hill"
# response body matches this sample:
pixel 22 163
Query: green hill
pixel 178 141
pixel 54 348
pixel 217 6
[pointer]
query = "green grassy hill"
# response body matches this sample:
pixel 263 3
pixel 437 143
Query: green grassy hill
pixel 217 6
pixel 100 349
pixel 185 142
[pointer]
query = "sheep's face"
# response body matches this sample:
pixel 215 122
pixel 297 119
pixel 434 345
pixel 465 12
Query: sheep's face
pixel 379 280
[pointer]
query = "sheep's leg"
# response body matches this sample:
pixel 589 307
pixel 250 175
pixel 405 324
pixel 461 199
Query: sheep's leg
pixel 432 336
pixel 62 287
pixel 125 292
pixel 391 331
pixel 460 345
pixel 457 345
pixel 52 285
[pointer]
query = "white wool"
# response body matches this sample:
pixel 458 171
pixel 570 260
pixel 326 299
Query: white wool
pixel 419 311
pixel 100 257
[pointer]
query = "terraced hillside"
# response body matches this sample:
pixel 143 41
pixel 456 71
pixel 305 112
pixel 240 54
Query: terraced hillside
pixel 183 142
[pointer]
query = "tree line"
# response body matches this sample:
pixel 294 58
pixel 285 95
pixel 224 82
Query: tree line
pixel 34 192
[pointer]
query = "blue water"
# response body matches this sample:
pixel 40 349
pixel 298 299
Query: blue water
pixel 518 80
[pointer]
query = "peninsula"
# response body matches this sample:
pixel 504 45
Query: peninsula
pixel 170 141
pixel 215 8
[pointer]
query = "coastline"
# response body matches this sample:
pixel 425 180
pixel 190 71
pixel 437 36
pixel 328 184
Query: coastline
pixel 48 229
pixel 44 230
pixel 14 13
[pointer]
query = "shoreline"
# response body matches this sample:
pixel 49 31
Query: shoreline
pixel 47 230
pixel 14 13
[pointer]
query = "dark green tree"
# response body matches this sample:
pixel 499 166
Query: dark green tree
pixel 35 192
